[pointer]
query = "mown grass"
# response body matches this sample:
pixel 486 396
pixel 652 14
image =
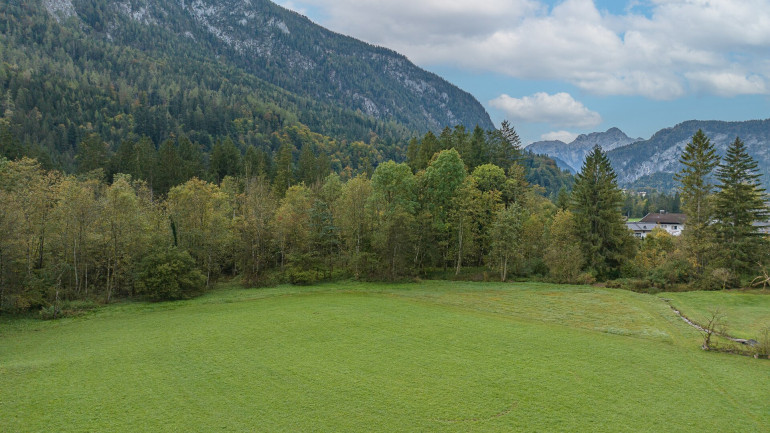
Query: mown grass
pixel 746 312
pixel 434 356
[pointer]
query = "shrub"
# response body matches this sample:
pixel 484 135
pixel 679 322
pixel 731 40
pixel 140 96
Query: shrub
pixel 299 277
pixel 169 274
pixel 585 278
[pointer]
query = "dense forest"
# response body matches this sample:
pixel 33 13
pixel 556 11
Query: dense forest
pixel 79 237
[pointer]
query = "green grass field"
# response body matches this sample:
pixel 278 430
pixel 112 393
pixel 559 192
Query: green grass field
pixel 434 356
pixel 746 312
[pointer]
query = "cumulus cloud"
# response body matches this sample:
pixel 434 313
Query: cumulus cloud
pixel 563 136
pixel 676 47
pixel 560 109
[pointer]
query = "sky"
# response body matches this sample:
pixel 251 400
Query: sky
pixel 559 68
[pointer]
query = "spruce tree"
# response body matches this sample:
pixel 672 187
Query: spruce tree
pixel 699 159
pixel 596 201
pixel 739 202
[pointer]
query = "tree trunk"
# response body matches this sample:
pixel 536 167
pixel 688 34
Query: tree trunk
pixel 459 250
pixel 505 269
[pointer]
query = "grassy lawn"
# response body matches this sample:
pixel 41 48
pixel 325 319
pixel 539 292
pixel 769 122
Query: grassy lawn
pixel 434 356
pixel 746 312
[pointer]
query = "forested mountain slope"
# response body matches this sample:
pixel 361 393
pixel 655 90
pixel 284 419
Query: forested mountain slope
pixel 243 69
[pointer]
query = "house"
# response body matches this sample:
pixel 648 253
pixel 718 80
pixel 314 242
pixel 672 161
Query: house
pixel 673 223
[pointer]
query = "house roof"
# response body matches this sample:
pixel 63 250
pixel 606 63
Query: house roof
pixel 664 218
pixel 640 227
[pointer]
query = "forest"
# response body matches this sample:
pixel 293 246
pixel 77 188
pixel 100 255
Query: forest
pixel 97 236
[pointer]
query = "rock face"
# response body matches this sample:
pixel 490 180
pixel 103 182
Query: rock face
pixel 574 153
pixel 288 50
pixel 655 161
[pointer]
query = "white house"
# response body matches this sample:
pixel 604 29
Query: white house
pixel 673 223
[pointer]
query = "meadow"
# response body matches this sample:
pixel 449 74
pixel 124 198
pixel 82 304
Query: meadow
pixel 429 356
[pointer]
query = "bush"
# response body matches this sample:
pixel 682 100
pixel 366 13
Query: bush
pixel 633 284
pixel 169 274
pixel 299 277
pixel 585 278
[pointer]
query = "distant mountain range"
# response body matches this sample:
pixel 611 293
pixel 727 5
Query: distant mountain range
pixel 573 154
pixel 653 162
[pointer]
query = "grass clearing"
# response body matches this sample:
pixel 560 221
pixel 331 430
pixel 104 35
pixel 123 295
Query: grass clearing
pixel 379 357
pixel 747 312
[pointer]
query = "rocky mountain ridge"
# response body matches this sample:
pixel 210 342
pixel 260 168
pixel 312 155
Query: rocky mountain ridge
pixel 653 162
pixel 573 154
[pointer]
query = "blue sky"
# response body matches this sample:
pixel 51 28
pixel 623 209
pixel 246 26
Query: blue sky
pixel 556 69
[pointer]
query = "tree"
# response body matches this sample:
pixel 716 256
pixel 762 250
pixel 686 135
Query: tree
pixel 489 177
pixel 170 167
pixel 225 160
pixel 169 274
pixel 93 154
pixel 699 159
pixel 464 215
pixel 201 214
pixel 429 146
pixel 284 172
pixel 504 145
pixel 355 221
pixel 394 204
pixel 253 227
pixel 739 202
pixel 596 203
pixel 563 255
pixel 440 183
pixel 506 232
pixel 126 232
pixel 291 225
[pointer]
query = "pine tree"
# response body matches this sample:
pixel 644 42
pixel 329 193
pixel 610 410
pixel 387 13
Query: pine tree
pixel 596 203
pixel 739 202
pixel 699 159
pixel 284 172
pixel 429 146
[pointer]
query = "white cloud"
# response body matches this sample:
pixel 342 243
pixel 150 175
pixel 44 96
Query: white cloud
pixel 564 136
pixel 560 109
pixel 677 47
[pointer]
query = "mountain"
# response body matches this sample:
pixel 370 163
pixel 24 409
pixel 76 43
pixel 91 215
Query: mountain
pixel 288 50
pixel 653 162
pixel 212 70
pixel 574 153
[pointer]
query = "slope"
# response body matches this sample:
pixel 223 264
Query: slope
pixel 209 70
pixel 431 356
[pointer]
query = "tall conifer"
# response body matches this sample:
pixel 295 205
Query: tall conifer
pixel 699 159
pixel 596 203
pixel 739 202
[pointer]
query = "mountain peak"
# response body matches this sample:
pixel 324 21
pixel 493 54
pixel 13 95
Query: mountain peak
pixel 575 152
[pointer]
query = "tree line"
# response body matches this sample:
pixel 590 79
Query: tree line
pixel 70 237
